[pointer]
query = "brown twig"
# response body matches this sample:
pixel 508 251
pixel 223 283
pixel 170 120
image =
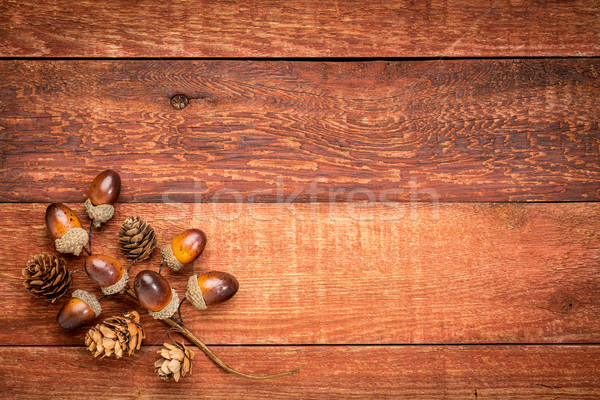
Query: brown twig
pixel 131 265
pixel 192 338
pixel 213 357
pixel 90 235
pixel 179 310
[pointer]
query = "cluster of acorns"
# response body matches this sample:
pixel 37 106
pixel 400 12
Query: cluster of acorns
pixel 47 275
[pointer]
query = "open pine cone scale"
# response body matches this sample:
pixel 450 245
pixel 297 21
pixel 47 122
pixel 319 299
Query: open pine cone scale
pixel 175 363
pixel 116 335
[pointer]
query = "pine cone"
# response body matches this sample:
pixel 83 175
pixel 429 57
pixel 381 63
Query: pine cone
pixel 116 335
pixel 176 361
pixel 47 275
pixel 137 239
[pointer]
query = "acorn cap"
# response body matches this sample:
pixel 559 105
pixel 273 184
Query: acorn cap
pixel 169 309
pixel 100 213
pixel 194 293
pixel 117 287
pixel 72 241
pixel 169 258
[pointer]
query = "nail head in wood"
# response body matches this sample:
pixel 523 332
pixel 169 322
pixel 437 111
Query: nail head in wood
pixel 179 101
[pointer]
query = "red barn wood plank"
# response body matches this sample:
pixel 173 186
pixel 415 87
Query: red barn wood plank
pixel 308 28
pixel 267 131
pixel 352 273
pixel 332 372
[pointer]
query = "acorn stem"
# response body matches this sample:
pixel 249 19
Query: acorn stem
pixel 179 310
pixel 213 357
pixel 131 265
pixel 90 235
pixel 106 297
pixel 172 322
pixel 131 294
pixel 160 268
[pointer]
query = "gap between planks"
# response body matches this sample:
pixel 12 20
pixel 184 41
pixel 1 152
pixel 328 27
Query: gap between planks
pixel 333 345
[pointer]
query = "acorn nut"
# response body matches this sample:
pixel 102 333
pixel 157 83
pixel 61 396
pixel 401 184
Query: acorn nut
pixel 65 228
pixel 154 293
pixel 107 272
pixel 184 248
pixel 105 188
pixel 81 309
pixel 103 193
pixel 211 288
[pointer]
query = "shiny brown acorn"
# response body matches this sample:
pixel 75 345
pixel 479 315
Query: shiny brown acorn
pixel 217 287
pixel 75 313
pixel 105 188
pixel 103 269
pixel 81 309
pixel 152 290
pixel 188 245
pixel 60 219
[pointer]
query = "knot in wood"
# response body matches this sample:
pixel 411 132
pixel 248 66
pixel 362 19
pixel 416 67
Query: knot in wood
pixel 179 101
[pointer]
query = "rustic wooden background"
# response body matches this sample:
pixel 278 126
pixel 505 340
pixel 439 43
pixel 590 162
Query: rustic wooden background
pixel 407 191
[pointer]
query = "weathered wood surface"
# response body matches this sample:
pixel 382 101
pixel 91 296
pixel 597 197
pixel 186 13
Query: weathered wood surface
pixel 309 28
pixel 350 274
pixel 333 372
pixel 267 131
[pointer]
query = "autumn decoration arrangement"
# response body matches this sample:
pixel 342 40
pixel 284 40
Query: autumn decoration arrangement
pixel 46 275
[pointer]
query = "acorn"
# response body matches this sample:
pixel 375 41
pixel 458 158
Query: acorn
pixel 107 272
pixel 105 188
pixel 65 228
pixel 103 193
pixel 154 293
pixel 184 248
pixel 81 309
pixel 210 289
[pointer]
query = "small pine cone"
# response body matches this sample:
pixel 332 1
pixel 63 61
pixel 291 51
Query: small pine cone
pixel 176 361
pixel 116 335
pixel 47 275
pixel 137 239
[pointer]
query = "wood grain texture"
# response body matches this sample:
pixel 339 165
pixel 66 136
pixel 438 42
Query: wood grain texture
pixel 429 372
pixel 268 131
pixel 349 273
pixel 307 28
